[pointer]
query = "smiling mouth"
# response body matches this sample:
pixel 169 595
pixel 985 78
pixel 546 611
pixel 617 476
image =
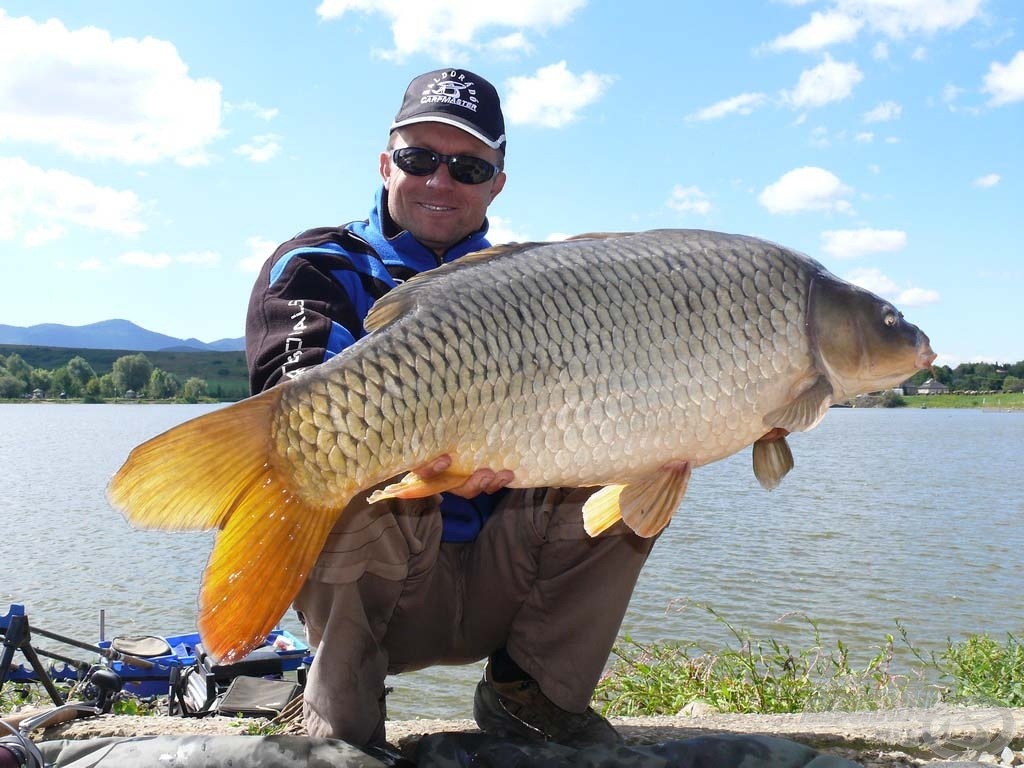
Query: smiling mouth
pixel 436 208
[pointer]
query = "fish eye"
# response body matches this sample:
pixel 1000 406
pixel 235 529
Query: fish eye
pixel 890 319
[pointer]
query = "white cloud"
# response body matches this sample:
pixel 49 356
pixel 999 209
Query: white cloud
pixel 917 297
pixel 820 138
pixel 854 243
pixel 199 258
pixel 40 204
pixel 920 53
pixel 514 43
pixel 260 249
pixel 97 97
pixel 145 259
pixel 950 94
pixel 553 96
pixel 864 137
pixel 877 282
pixel 806 189
pixel 880 51
pixel 743 104
pixel 1005 82
pixel 689 200
pixel 829 81
pixel 263 113
pixel 446 29
pixel 44 233
pixel 883 112
pixel 501 231
pixel 162 260
pixel 899 18
pixel 988 180
pixel 260 149
pixel 823 30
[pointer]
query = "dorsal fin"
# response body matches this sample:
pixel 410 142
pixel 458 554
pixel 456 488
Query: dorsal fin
pixel 599 236
pixel 398 301
pixel 402 299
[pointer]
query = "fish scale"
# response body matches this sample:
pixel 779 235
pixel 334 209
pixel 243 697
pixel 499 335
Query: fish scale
pixel 621 361
pixel 674 371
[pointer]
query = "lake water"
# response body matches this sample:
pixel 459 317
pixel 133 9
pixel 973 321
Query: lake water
pixel 915 514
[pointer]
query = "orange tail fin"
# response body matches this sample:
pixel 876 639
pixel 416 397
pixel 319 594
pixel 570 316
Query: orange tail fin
pixel 217 471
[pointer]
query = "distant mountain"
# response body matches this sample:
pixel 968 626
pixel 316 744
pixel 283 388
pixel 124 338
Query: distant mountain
pixel 109 334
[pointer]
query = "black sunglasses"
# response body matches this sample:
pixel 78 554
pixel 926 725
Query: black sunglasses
pixel 465 169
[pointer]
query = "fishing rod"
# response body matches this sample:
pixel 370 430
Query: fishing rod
pixel 112 654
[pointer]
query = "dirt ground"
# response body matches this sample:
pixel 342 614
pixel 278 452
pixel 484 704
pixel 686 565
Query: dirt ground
pixel 908 737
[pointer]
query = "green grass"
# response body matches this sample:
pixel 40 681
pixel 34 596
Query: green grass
pixel 1013 401
pixel 32 695
pixel 752 675
pixel 765 676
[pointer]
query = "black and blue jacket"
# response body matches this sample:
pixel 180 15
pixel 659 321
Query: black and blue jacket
pixel 312 296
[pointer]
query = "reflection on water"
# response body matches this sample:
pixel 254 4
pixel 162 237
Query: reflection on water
pixel 909 514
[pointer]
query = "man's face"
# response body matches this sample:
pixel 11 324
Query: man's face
pixel 436 209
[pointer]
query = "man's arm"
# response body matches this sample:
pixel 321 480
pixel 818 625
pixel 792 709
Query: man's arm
pixel 306 306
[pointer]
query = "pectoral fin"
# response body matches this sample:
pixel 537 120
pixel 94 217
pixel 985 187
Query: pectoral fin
pixel 805 411
pixel 645 506
pixel 772 461
pixel 412 486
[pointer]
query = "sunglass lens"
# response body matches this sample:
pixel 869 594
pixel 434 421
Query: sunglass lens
pixel 470 170
pixel 465 169
pixel 417 161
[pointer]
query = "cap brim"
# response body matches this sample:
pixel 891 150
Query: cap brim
pixel 447 119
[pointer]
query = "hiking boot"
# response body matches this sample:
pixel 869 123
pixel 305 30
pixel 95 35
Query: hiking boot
pixel 520 708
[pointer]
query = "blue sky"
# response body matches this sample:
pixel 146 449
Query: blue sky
pixel 153 154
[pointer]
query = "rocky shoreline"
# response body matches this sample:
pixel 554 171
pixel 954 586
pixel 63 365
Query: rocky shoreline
pixel 941 736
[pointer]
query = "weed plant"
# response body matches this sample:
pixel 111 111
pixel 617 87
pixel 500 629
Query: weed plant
pixel 765 676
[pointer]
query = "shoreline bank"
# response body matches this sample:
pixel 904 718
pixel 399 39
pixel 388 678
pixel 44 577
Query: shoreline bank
pixel 884 739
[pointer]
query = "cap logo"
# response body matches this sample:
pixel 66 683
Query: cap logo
pixel 447 90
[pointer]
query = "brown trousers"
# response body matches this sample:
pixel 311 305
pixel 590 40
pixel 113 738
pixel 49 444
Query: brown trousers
pixel 387 596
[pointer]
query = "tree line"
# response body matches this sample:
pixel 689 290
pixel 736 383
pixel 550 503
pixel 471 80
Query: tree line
pixel 137 374
pixel 977 377
pixel 130 376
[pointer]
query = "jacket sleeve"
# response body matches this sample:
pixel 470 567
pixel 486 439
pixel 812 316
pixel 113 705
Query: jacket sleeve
pixel 307 305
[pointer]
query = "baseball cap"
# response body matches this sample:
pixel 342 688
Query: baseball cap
pixel 456 97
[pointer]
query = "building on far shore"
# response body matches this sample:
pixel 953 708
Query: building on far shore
pixel 930 387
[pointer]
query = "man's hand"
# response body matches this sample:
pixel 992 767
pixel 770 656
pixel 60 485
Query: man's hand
pixel 481 481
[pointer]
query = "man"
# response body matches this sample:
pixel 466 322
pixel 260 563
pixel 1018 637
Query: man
pixel 482 571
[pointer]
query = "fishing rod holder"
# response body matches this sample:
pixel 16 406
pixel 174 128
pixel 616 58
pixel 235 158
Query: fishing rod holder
pixel 17 636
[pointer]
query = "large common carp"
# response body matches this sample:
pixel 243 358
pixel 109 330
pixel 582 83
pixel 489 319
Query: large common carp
pixel 609 360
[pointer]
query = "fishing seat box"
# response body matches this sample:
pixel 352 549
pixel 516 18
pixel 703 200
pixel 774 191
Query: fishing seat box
pixel 263 662
pixel 196 690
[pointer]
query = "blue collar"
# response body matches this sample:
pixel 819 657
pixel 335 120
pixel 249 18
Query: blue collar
pixel 405 250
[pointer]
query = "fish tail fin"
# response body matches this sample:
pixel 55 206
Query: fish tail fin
pixel 260 561
pixel 189 477
pixel 218 471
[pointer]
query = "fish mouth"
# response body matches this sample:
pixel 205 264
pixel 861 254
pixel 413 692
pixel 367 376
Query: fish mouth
pixel 925 355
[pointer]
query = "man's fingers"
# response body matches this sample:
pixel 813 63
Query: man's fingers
pixel 434 466
pixel 481 481
pixel 499 481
